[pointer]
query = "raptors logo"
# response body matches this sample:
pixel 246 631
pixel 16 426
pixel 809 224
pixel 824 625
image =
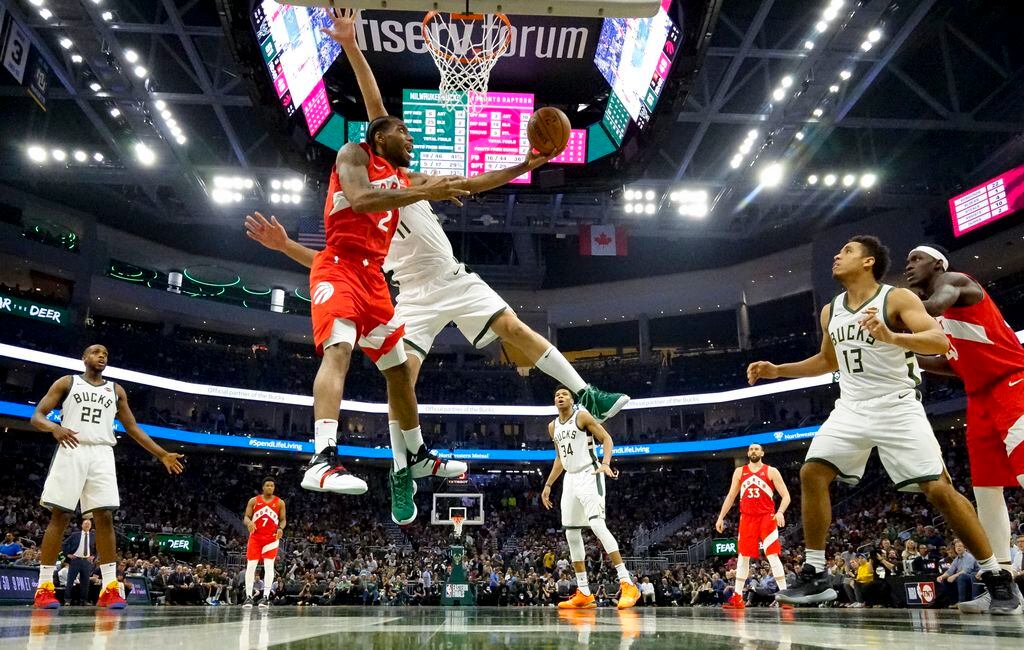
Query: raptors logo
pixel 322 293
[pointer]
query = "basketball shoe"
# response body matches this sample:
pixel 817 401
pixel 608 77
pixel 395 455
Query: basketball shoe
pixel 46 596
pixel 735 602
pixel 325 473
pixel 815 587
pixel 579 600
pixel 630 594
pixel 426 463
pixel 111 597
pixel 248 603
pixel 983 603
pixel 403 508
pixel 601 404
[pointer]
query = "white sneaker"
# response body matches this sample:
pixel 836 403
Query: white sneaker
pixel 325 473
pixel 427 463
pixel 983 603
pixel 264 603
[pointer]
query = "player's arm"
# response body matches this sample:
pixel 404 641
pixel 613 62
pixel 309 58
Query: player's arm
pixel 951 288
pixel 343 30
pixel 556 470
pixel 822 362
pixel 498 177
pixel 783 492
pixel 247 519
pixel 58 392
pixel 364 198
pixel 283 522
pixel 937 365
pixel 734 491
pixel 273 236
pixel 587 422
pixel 127 418
pixel 925 336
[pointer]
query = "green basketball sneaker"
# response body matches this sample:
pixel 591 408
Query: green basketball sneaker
pixel 601 404
pixel 403 508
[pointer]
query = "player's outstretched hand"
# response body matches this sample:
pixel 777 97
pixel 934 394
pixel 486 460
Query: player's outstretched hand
pixel 269 233
pixel 876 327
pixel 171 462
pixel 535 159
pixel 720 525
pixel 761 370
pixel 445 188
pixel 545 497
pixel 343 26
pixel 65 437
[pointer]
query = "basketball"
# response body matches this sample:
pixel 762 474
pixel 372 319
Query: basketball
pixel 548 130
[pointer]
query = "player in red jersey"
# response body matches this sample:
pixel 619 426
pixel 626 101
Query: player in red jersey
pixel 985 353
pixel 756 484
pixel 266 520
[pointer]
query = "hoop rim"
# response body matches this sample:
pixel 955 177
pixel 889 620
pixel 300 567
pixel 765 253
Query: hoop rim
pixel 437 51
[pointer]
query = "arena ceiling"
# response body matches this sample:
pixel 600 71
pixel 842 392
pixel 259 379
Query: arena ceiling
pixel 934 104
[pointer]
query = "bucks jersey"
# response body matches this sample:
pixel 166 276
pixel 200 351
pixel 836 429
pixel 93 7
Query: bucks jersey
pixel 575 445
pixel 868 368
pixel 90 411
pixel 420 251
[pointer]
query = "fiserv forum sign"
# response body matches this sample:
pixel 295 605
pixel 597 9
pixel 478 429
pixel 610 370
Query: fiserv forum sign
pixel 33 310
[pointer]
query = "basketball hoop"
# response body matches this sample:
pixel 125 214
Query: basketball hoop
pixel 457 523
pixel 465 47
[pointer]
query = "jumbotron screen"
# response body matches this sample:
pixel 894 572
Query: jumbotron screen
pixel 992 200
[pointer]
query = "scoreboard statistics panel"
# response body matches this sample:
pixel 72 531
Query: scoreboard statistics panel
pixel 497 135
pixel 440 134
pixel 994 199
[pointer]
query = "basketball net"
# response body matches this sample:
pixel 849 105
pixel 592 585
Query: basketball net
pixel 465 48
pixel 457 522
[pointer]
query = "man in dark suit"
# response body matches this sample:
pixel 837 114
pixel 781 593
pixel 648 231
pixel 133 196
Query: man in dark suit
pixel 80 550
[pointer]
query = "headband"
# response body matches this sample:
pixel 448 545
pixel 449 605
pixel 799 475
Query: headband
pixel 928 250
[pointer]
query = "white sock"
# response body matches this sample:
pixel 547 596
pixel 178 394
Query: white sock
pixel 816 559
pixel 995 520
pixel 413 439
pixel 582 583
pixel 268 577
pixel 108 573
pixel 399 454
pixel 623 573
pixel 325 434
pixel 250 577
pixel 46 573
pixel 739 586
pixel 989 564
pixel 556 366
pixel 781 581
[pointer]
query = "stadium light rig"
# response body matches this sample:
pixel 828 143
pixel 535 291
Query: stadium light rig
pixel 690 202
pixel 288 191
pixel 640 201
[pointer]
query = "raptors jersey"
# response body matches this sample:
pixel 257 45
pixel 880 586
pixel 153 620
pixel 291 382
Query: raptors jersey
pixel 983 348
pixel 90 411
pixel 266 515
pixel 575 446
pixel 868 368
pixel 757 495
pixel 362 235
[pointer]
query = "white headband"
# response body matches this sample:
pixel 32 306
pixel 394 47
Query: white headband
pixel 928 250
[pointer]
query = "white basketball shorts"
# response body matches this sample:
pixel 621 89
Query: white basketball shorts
pixel 456 296
pixel 582 498
pixel 896 424
pixel 84 474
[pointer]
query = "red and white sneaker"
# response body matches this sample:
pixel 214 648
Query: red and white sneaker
pixel 325 473
pixel 427 463
pixel 735 602
pixel 111 597
pixel 46 596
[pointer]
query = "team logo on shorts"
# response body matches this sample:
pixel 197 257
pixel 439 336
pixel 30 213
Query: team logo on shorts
pixel 322 293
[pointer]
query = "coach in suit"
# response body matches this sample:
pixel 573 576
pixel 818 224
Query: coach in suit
pixel 80 550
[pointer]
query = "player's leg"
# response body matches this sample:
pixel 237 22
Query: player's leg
pixel 778 571
pixel 250 578
pixel 591 492
pixel 46 597
pixel 769 536
pixel 106 552
pixel 268 579
pixel 574 520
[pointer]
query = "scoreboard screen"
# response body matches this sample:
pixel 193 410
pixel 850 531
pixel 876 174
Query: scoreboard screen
pixel 440 134
pixel 576 151
pixel 497 135
pixel 992 200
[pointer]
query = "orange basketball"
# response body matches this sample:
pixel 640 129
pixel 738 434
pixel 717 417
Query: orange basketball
pixel 548 130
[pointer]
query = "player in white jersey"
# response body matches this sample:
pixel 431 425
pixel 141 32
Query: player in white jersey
pixel 82 470
pixel 866 339
pixel 575 433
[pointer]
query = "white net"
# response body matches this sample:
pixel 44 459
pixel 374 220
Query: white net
pixel 465 48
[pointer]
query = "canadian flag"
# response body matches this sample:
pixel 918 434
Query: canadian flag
pixel 603 240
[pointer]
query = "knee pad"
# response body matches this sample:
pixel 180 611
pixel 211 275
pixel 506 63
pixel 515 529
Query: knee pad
pixel 778 570
pixel 604 535
pixel 575 538
pixel 742 567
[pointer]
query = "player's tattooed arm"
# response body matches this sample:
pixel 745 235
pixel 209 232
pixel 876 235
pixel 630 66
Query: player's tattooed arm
pixel 124 414
pixel 588 423
pixel 499 177
pixel 343 31
pixel 937 365
pixel 953 289
pixel 734 491
pixel 822 362
pixel 556 471
pixel 247 519
pixel 58 391
pixel 272 235
pixel 364 198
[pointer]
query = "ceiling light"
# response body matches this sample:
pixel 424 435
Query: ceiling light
pixel 649 195
pixel 181 139
pixel 80 156
pixel 286 198
pixel 36 3
pixel 799 135
pixel 66 43
pixel 868 180
pixel 59 155
pixel 818 112
pixel 650 208
pixel 98 157
pixel 144 154
pixel 812 179
pixel 778 94
pixel 745 147
pixel 160 104
pixel 276 198
pixel 836 3
pixel 834 88
pixel 276 185
pixel 771 175
pixel 221 181
pixel 822 26
pixel 845 74
pixel 808 45
pixel 222 196
pixel 296 184
pixel 830 180
pixel 141 72
pixel 107 16
pixel 76 58
pixel 627 195
pixel 736 161
pixel 875 35
pixel 166 114
pixel 787 81
pixel 752 133
pixel 36 154
pixel 95 87
pixel 296 199
pixel 96 2
pixel 866 45
pixel 172 123
pixel 249 183
pixel 45 13
pixel 115 112
pixel 830 13
pixel 849 180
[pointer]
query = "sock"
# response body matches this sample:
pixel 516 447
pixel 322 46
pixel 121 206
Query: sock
pixel 399 453
pixel 623 573
pixel 46 573
pixel 413 439
pixel 816 559
pixel 989 564
pixel 781 581
pixel 108 573
pixel 268 577
pixel 995 520
pixel 250 577
pixel 739 586
pixel 582 583
pixel 556 366
pixel 325 434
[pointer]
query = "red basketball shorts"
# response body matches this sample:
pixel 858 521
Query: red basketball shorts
pixel 995 434
pixel 757 530
pixel 261 548
pixel 356 292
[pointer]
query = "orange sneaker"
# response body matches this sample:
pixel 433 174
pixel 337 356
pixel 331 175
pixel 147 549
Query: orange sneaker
pixel 111 597
pixel 735 602
pixel 630 594
pixel 579 600
pixel 46 596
